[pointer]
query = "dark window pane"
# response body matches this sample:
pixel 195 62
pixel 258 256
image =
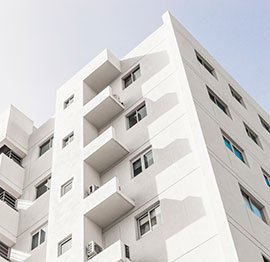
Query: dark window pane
pixel 132 119
pixel 212 97
pixel 227 143
pixel 256 210
pixel 221 106
pixel 136 74
pixel 238 153
pixel 148 159
pixel 144 225
pixel 44 148
pixel 137 167
pixel 127 81
pixel 267 180
pixel 142 112
pixel 43 187
pixel 35 240
pixel 42 236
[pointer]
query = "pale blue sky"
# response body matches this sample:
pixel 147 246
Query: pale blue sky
pixel 45 42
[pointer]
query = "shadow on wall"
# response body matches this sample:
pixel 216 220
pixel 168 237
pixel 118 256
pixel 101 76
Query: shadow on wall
pixel 176 216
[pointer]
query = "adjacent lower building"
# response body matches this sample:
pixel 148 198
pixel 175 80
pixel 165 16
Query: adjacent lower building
pixel 158 156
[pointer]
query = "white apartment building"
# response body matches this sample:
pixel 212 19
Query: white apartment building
pixel 158 156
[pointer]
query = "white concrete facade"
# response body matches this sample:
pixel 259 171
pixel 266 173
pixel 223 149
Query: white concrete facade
pixel 137 169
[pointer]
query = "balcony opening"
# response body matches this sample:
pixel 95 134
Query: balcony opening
pixel 4 251
pixel 8 198
pixel 11 154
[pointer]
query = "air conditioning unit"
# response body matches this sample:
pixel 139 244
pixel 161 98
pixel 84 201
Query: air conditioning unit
pixel 92 189
pixel 93 249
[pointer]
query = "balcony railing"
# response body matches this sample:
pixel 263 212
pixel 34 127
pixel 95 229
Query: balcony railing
pixel 7 198
pixel 8 152
pixel 4 251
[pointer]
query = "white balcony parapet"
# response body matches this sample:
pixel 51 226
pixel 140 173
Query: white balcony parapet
pixel 117 252
pixel 107 204
pixel 102 70
pixel 8 224
pixel 102 108
pixel 11 176
pixel 104 151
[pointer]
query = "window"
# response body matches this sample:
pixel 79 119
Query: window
pixel 66 187
pixel 265 124
pixel 237 96
pixel 253 205
pixel 142 162
pixel 39 237
pixel 205 64
pixel 4 251
pixel 64 245
pixel 215 99
pixel 136 116
pixel 229 143
pixel 43 187
pixel 67 140
pixel 45 146
pixel 253 136
pixel 149 220
pixel 132 76
pixel 69 101
pixel 266 177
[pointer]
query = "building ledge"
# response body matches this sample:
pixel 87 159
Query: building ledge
pixel 107 204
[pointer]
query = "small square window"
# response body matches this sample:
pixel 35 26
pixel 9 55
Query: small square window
pixel 265 124
pixel 43 187
pixel 230 144
pixel 142 162
pixel 206 65
pixel 46 146
pixel 67 140
pixel 137 115
pixel 66 187
pixel 252 204
pixel 38 237
pixel 149 220
pixel 237 97
pixel 64 245
pixel 252 135
pixel 132 76
pixel 220 104
pixel 69 101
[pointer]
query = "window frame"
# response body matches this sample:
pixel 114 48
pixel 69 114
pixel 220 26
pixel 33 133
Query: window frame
pixel 147 214
pixel 43 228
pixel 67 139
pixel 237 96
pixel 50 141
pixel 131 75
pixel 210 69
pixel 218 102
pixel 266 176
pixel 47 180
pixel 252 135
pixel 252 201
pixel 265 124
pixel 141 156
pixel 69 101
pixel 69 182
pixel 61 243
pixel 234 147
pixel 135 110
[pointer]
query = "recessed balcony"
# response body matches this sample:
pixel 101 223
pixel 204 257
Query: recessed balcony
pixel 102 108
pixel 117 252
pixel 104 151
pixel 8 224
pixel 11 176
pixel 107 204
pixel 102 70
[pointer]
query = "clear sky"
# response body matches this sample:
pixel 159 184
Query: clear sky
pixel 45 42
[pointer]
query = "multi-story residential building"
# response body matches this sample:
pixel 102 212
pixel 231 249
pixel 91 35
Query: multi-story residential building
pixel 160 156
